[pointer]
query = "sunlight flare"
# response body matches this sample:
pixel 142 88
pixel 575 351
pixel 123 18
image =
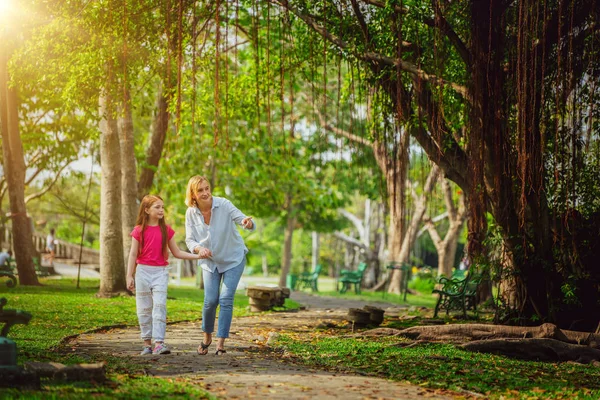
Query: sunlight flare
pixel 6 7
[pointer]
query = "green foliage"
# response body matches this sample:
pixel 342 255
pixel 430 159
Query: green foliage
pixel 63 208
pixel 443 366
pixel 423 282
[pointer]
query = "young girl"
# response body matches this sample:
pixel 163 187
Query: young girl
pixel 150 239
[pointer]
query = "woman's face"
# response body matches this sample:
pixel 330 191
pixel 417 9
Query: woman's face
pixel 203 194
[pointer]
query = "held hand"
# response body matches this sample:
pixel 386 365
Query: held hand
pixel 247 223
pixel 203 252
pixel 130 283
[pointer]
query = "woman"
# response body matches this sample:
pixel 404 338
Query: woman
pixel 211 232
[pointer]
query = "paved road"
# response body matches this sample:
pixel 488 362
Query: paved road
pixel 71 271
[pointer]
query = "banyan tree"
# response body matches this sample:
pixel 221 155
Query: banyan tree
pixel 503 96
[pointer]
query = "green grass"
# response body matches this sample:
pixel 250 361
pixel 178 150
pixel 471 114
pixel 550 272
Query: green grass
pixel 443 366
pixel 420 300
pixel 60 310
pixel 121 386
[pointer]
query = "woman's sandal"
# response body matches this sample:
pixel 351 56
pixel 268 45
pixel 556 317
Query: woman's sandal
pixel 220 351
pixel 204 348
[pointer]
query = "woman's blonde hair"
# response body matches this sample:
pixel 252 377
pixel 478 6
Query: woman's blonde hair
pixel 192 189
pixel 142 221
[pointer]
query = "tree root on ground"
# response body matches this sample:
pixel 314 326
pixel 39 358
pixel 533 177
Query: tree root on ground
pixel 544 343
pixel 535 350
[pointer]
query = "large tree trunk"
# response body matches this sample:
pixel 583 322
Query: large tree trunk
pixel 413 228
pixel 160 126
pixel 368 252
pixel 286 258
pixel 396 183
pixel 315 249
pixel 446 248
pixel 14 170
pixel 129 205
pixel 112 266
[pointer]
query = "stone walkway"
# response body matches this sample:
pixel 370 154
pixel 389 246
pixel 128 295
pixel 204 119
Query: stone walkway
pixel 251 369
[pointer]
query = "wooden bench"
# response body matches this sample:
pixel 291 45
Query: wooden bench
pixel 457 294
pixel 8 270
pixel 348 278
pixel 309 279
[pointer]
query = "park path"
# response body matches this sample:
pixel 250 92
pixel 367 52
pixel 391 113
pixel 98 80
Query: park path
pixel 251 369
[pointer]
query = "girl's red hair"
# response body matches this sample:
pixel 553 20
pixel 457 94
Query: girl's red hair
pixel 142 222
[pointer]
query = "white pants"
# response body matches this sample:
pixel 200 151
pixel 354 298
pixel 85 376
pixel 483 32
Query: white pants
pixel 151 301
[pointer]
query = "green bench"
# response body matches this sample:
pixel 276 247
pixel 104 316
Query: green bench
pixel 457 294
pixel 309 279
pixel 348 278
pixel 8 271
pixel 40 270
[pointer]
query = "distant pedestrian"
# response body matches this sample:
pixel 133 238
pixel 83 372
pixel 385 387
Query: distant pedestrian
pixel 147 271
pixel 50 247
pixel 5 257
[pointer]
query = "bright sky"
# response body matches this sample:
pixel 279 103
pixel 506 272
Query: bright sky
pixel 8 10
pixel 6 6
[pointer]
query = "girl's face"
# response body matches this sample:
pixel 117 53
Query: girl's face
pixel 203 194
pixel 156 211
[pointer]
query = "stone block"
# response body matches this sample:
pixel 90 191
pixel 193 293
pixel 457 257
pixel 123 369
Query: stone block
pixel 82 372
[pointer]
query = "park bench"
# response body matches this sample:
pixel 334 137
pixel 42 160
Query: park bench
pixel 348 278
pixel 457 294
pixel 309 279
pixel 40 270
pixel 8 271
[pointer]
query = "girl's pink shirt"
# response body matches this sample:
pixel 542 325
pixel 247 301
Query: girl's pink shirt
pixel 152 253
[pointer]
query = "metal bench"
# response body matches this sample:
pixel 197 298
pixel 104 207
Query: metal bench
pixel 457 294
pixel 348 278
pixel 309 279
pixel 8 271
pixel 40 270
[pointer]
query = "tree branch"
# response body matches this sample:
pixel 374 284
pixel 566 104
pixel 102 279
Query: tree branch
pixel 91 217
pixel 433 233
pixel 342 132
pixel 447 190
pixel 370 55
pixel 45 190
pixel 355 242
pixel 361 21
pixel 355 221
pixel 435 219
pixel 442 24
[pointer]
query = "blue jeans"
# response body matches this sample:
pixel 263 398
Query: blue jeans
pixel 217 295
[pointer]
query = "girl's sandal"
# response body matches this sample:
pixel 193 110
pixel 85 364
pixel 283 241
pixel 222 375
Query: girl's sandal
pixel 220 351
pixel 203 350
